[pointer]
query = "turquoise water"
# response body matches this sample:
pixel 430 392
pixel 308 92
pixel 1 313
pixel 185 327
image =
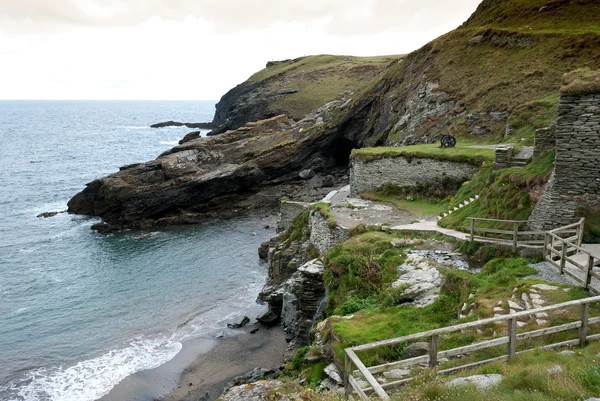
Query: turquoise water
pixel 81 311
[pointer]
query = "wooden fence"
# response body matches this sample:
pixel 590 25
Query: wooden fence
pixel 518 236
pixel 354 367
pixel 568 255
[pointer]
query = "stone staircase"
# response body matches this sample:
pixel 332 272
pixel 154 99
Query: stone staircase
pixel 460 206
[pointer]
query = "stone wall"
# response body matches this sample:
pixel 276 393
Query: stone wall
pixel 405 172
pixel 503 157
pixel 544 140
pixel 576 178
pixel 322 236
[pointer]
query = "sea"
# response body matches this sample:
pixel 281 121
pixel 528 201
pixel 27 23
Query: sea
pixel 80 311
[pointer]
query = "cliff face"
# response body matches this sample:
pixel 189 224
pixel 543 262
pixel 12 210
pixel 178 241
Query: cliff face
pixel 296 87
pixel 497 74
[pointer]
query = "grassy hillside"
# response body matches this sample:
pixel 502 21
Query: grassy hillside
pixel 318 79
pixel 504 65
pixel 297 87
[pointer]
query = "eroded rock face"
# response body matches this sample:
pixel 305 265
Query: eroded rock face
pixel 216 174
pixel 302 295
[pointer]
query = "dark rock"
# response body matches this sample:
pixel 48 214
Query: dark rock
pixel 245 320
pixel 328 181
pixel 50 214
pixel 189 137
pixel 414 350
pixel 316 182
pixel 263 250
pixel 269 318
pixel 253 376
pixel 206 177
pixel 179 124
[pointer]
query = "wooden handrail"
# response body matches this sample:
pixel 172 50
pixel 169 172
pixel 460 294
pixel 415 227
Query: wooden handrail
pixel 434 355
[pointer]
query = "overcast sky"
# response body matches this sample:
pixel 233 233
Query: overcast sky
pixel 194 49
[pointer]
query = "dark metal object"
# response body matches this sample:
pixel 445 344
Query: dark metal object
pixel 448 141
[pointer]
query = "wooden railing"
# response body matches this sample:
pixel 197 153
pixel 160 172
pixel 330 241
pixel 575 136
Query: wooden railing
pixel 354 367
pixel 515 236
pixel 568 255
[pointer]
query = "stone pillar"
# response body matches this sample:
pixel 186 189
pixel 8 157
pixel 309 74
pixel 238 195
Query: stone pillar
pixel 502 157
pixel 575 181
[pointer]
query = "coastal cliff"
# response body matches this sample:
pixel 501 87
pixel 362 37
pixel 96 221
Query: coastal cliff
pixel 520 51
pixel 295 88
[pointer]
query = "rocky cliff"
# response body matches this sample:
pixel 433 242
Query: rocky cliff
pixel 296 87
pixel 496 75
pixel 218 175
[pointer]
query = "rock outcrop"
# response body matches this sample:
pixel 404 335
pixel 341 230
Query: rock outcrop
pixel 215 175
pixel 303 293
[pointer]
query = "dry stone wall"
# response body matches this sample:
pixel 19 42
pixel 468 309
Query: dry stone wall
pixel 406 172
pixel 576 178
pixel 544 140
pixel 324 237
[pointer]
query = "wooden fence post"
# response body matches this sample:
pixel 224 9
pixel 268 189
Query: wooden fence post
pixel 585 310
pixel 545 250
pixel 347 373
pixel 588 272
pixel 515 234
pixel 563 257
pixel 472 229
pixel 433 351
pixel 512 338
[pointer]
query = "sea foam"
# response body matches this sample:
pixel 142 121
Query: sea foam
pixel 93 378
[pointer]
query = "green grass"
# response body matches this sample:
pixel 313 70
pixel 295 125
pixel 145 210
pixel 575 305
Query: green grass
pixel 496 281
pixel 324 209
pixel 528 117
pixel 525 379
pixel 460 153
pixel 319 79
pixel 361 268
pixel 504 194
pixel 416 207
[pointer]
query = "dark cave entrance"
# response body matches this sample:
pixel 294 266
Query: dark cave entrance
pixel 340 150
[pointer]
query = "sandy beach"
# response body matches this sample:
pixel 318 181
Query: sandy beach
pixel 204 366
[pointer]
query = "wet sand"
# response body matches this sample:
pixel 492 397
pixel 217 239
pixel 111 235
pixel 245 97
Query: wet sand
pixel 205 366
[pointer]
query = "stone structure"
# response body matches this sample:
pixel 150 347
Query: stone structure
pixel 322 236
pixel 406 172
pixel 575 181
pixel 503 157
pixel 544 140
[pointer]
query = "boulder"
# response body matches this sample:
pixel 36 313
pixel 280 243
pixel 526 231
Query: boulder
pixel 306 174
pixel 263 250
pixel 254 375
pixel 482 382
pixel 245 320
pixel 269 318
pixel 414 350
pixel 189 137
pixel 396 374
pixel 334 373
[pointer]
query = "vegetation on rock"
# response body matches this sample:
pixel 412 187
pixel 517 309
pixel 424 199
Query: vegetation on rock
pixel 507 194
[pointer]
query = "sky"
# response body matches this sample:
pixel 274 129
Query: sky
pixel 194 49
